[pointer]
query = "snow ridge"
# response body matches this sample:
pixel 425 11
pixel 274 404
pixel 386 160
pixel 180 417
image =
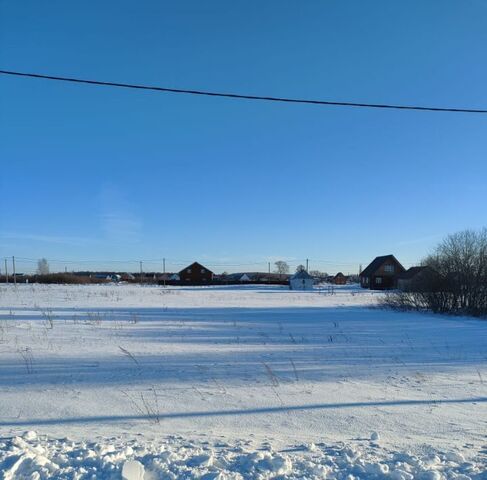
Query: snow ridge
pixel 36 457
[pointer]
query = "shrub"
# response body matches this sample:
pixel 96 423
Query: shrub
pixel 65 278
pixel 456 281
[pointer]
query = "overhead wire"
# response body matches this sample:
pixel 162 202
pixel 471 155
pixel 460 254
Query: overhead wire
pixel 242 96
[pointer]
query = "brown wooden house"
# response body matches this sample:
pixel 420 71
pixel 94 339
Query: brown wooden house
pixel 416 277
pixel 339 279
pixel 195 274
pixel 382 273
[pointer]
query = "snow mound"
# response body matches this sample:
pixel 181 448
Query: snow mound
pixel 39 457
pixel 133 470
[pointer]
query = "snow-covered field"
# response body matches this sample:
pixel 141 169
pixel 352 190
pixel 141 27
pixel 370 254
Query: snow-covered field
pixel 249 382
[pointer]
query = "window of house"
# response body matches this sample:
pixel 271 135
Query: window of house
pixel 389 268
pixel 378 280
pixel 202 270
pixel 189 270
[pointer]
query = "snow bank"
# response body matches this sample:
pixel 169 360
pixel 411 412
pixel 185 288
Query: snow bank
pixel 37 457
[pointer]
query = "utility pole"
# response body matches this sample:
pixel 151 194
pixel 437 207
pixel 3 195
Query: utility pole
pixel 164 270
pixel 6 271
pixel 13 269
pixel 307 264
pixel 140 263
pixel 269 266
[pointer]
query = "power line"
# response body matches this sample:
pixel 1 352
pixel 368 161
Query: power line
pixel 243 96
pixel 176 262
pixel 173 262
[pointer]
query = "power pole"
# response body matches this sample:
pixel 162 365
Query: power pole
pixel 13 269
pixel 269 266
pixel 307 264
pixel 6 271
pixel 164 270
pixel 140 271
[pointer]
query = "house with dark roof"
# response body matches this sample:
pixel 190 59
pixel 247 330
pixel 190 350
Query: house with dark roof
pixel 339 279
pixel 301 280
pixel 382 273
pixel 413 277
pixel 195 274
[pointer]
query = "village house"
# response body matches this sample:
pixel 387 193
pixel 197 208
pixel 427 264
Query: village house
pixel 339 279
pixel 414 276
pixel 195 274
pixel 301 280
pixel 169 277
pixel 237 277
pixel 382 273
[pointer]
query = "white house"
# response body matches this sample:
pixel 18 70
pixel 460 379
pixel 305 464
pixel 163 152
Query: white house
pixel 301 281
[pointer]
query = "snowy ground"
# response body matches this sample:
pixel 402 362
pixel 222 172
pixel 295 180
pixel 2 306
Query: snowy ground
pixel 220 382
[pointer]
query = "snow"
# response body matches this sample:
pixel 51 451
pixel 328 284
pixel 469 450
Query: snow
pixel 179 458
pixel 236 382
pixel 133 470
pixel 375 437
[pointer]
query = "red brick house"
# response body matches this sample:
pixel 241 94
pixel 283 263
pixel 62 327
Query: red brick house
pixel 196 274
pixel 382 273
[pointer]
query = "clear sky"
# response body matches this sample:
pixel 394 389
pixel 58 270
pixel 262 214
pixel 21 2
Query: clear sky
pixel 91 173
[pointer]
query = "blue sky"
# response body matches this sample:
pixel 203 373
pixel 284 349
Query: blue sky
pixel 103 174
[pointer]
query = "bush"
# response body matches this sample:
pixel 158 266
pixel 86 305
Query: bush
pixel 65 278
pixel 456 281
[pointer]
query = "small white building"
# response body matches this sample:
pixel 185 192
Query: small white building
pixel 301 281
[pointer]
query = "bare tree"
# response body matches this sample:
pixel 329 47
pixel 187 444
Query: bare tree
pixel 282 268
pixel 300 268
pixel 456 278
pixel 42 267
pixel 318 274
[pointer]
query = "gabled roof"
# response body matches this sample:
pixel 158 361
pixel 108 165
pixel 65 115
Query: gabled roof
pixel 238 276
pixel 377 262
pixel 168 276
pixel 301 274
pixel 339 274
pixel 412 272
pixel 195 265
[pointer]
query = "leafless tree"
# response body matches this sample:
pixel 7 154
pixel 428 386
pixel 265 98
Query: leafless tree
pixel 300 268
pixel 42 267
pixel 282 267
pixel 318 274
